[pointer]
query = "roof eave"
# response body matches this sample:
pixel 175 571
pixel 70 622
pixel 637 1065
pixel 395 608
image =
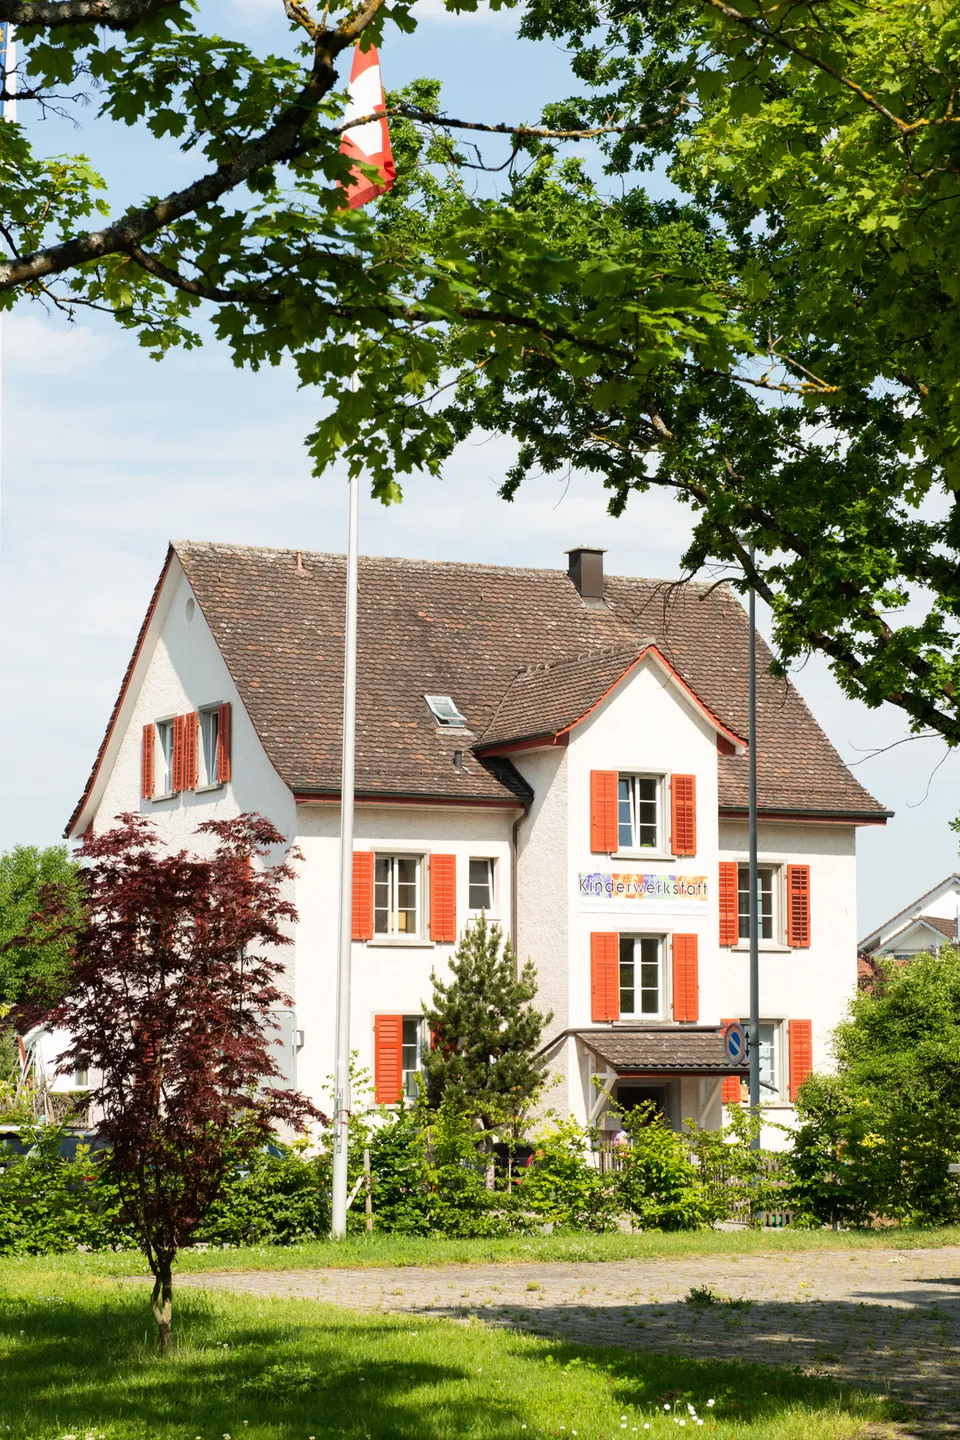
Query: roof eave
pixel 817 816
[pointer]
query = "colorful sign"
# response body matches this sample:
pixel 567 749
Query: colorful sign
pixel 648 893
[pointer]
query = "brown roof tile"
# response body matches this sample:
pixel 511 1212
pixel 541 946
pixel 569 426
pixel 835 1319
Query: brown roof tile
pixel 429 627
pixel 663 1049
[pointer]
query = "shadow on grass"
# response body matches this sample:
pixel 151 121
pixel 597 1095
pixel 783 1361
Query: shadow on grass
pixel 86 1362
pixel 764 1354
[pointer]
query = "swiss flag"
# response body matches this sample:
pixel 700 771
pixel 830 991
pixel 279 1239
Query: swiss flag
pixel 369 143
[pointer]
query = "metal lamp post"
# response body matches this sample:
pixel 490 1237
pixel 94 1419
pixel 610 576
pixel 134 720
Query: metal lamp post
pixel 753 1034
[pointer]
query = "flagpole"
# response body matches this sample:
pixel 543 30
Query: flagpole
pixel 341 1103
pixel 8 68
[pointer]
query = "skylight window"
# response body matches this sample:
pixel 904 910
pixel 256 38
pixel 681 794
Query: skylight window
pixel 445 712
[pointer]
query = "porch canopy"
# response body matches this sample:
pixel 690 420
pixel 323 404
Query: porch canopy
pixel 645 1052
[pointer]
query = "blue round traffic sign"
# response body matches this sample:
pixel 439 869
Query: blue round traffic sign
pixel 734 1042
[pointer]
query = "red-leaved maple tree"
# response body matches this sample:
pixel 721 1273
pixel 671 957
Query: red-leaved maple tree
pixel 173 978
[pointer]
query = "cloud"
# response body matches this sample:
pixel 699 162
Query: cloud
pixel 33 346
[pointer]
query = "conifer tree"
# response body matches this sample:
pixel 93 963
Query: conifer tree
pixel 485 1031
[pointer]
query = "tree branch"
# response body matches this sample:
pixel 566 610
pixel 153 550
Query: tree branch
pixel 763 31
pixel 276 144
pixel 109 14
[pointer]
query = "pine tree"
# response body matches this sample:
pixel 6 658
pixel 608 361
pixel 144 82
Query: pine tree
pixel 485 1033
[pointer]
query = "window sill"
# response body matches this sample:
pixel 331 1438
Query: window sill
pixel 167 795
pixel 399 943
pixel 205 789
pixel 768 947
pixel 644 855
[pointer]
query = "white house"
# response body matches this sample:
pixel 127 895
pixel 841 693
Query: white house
pixel 925 925
pixel 562 749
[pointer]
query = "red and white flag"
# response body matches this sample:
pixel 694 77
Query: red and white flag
pixel 369 143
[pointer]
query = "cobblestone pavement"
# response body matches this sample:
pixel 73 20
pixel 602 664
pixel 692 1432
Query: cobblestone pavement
pixel 882 1318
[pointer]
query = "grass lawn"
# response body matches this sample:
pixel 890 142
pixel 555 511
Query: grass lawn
pixel 77 1362
pixel 378 1250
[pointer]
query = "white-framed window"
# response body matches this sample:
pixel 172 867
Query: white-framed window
pixel 208 767
pixel 412 1047
pixel 639 812
pixel 768 886
pixel 445 712
pixel 397 895
pixel 163 765
pixel 641 977
pixel 769 1057
pixel 481 896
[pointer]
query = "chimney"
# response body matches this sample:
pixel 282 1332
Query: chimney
pixel 585 569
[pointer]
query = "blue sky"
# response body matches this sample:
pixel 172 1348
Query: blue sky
pixel 106 455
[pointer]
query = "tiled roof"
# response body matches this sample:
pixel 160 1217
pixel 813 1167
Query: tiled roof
pixel 663 1049
pixel 545 699
pixel 946 926
pixel 429 627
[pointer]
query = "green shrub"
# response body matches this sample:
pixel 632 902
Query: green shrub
pixel 561 1187
pixel 49 1204
pixel 658 1183
pixel 279 1200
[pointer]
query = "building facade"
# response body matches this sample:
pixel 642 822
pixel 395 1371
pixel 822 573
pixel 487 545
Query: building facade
pixel 559 749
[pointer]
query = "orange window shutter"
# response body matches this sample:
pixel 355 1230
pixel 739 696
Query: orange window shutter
pixel 798 906
pixel 147 744
pixel 603 811
pixel 686 978
pixel 443 898
pixel 604 977
pixel 176 779
pixel 801 1054
pixel 729 904
pixel 363 895
pixel 387 1059
pixel 190 723
pixel 730 1090
pixel 683 814
pixel 224 742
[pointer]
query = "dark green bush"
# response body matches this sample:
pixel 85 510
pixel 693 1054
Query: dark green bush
pixel 49 1204
pixel 279 1200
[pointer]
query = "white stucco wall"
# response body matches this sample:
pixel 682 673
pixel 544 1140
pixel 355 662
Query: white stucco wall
pixel 186 671
pixel 388 977
pixel 815 983
pixel 543 934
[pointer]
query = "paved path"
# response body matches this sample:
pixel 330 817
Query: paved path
pixel 883 1318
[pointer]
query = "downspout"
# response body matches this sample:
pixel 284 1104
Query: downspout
pixel 515 882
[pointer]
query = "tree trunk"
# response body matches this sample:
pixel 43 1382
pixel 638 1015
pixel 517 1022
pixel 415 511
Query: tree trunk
pixel 161 1302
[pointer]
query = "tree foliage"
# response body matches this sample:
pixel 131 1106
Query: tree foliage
pixel 173 976
pixel 485 1032
pixel 877 1137
pixel 776 343
pixel 27 875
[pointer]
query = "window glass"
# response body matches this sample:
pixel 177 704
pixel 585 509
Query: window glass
pixel 445 711
pixel 638 812
pixel 769 1081
pixel 163 779
pixel 207 759
pixel 640 976
pixel 396 895
pixel 481 885
pixel 412 1053
pixel 765 892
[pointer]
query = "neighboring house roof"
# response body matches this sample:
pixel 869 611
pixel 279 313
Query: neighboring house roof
pixel 430 627
pixel 884 933
pixel 546 702
pixel 941 923
pixel 663 1050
